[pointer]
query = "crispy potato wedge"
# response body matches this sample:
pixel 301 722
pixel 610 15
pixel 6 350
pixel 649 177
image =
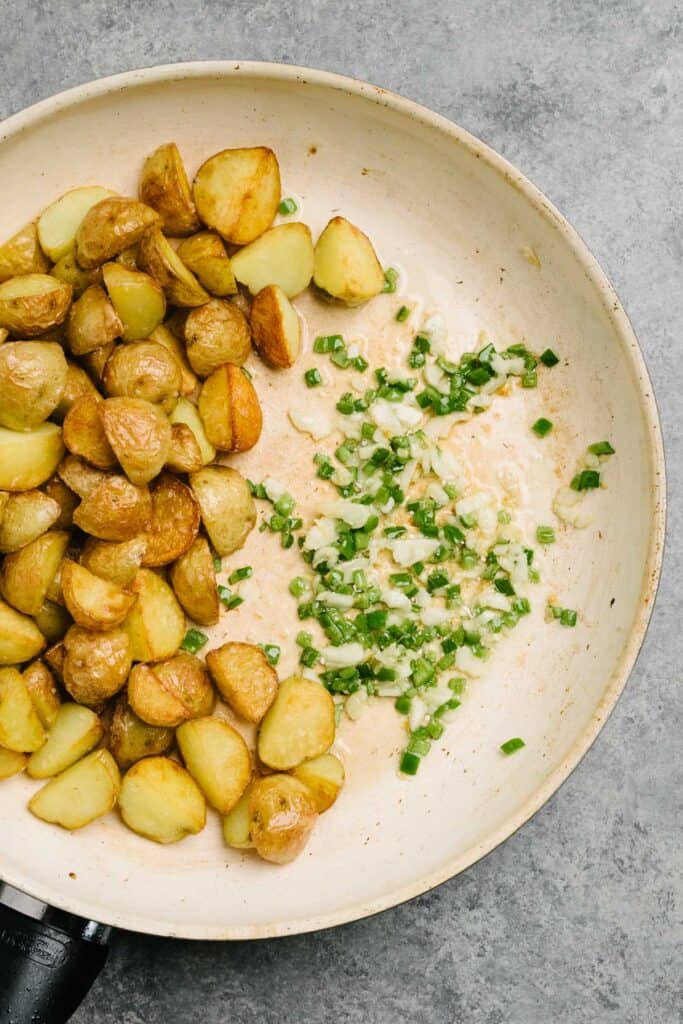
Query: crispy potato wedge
pixel 73 734
pixel 237 824
pixel 27 515
pixel 11 763
pixel 185 412
pixel 281 817
pixel 230 410
pixel 205 255
pixel 163 336
pixel 29 458
pixel 218 760
pixel 159 259
pixel 96 665
pixel 298 726
pixel 346 265
pixel 137 298
pixel 92 602
pixel 117 562
pixel 282 256
pixel 275 327
pixel 115 510
pixel 237 192
pixel 55 657
pixel 147 694
pixel 155 624
pixel 77 384
pixel 67 270
pixel 131 739
pixel 324 777
pixel 143 369
pixel 40 683
pixel 185 455
pixel 85 791
pixel 96 361
pixel 20 638
pixel 80 477
pixel 20 728
pixel 227 506
pixel 33 304
pixel 244 677
pixel 160 800
pixel 175 521
pixel 92 322
pixel 216 333
pixel 32 381
pixel 84 433
pixel 164 186
pixel 139 434
pixel 194 582
pixel 59 222
pixel 26 574
pixel 109 227
pixel 21 254
pixel 66 501
pixel 53 621
pixel 170 692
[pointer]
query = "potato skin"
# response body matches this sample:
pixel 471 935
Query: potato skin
pixel 26 516
pixel 77 384
pixel 206 256
pixel 115 510
pixel 20 638
pixel 160 800
pixel 65 500
pixel 92 322
pixel 32 380
pixel 33 304
pixel 40 683
pixel 282 817
pixel 167 339
pixel 165 187
pixel 118 562
pixel 139 434
pixel 237 192
pixel 67 270
pixel 109 227
pixel 170 692
pixel 84 433
pixel 275 327
pixel 175 521
pixel 216 333
pixel 93 603
pixel 79 476
pixel 324 777
pixel 194 581
pixel 29 458
pixel 26 574
pixel 142 369
pixel 244 677
pixel 21 254
pixel 230 410
pixel 131 739
pixel 227 506
pixel 159 259
pixel 96 663
pixel 185 455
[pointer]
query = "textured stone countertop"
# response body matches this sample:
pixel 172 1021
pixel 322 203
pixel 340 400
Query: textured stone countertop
pixel 577 918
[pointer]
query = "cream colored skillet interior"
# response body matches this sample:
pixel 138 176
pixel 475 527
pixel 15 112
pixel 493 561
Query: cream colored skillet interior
pixel 475 240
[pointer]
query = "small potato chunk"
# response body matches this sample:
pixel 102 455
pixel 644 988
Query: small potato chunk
pixel 29 458
pixel 164 187
pixel 244 677
pixel 298 726
pixel 20 638
pixel 282 256
pixel 66 502
pixel 227 507
pixel 324 777
pixel 79 477
pixel 26 574
pixel 93 322
pixel 155 624
pixel 139 434
pixel 346 265
pixel 185 455
pixel 92 602
pixel 275 327
pixel 237 824
pixel 185 412
pixel 216 333
pixel 26 517
pixel 109 227
pixel 131 739
pixel 205 255
pixel 175 521
pixel 77 384
pixel 281 817
pixel 21 254
pixel 55 656
pixel 53 621
pixel 160 800
pixel 59 222
pixel 84 433
pixel 68 271
pixel 43 692
pixel 73 734
pixel 171 692
pixel 218 760
pixel 137 298
pixel 96 665
pixel 20 728
pixel 143 369
pixel 33 304
pixel 115 510
pixel 11 763
pixel 85 791
pixel 230 410
pixel 96 361
pixel 237 192
pixel 158 258
pixel 117 562
pixel 32 381
pixel 194 581
pixel 163 336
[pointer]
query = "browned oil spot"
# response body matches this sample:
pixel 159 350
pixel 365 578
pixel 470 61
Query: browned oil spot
pixel 72 874
pixel 312 150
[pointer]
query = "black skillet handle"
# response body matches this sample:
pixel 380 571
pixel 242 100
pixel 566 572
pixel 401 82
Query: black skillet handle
pixel 46 966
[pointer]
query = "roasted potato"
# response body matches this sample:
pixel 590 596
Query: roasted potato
pixel 139 434
pixel 194 581
pixel 21 254
pixel 95 362
pixel 164 187
pixel 93 322
pixel 20 638
pixel 227 506
pixel 68 271
pixel 275 327
pixel 79 477
pixel 32 381
pixel 324 777
pixel 143 369
pixel 26 574
pixel 230 410
pixel 160 800
pixel 92 602
pixel 55 657
pixel 282 256
pixel 84 433
pixel 40 683
pixel 159 259
pixel 109 227
pixel 175 521
pixel 115 510
pixel 11 763
pixel 170 692
pixel 137 298
pixel 186 413
pixel 165 337
pixel 73 734
pixel 131 739
pixel 218 760
pixel 237 824
pixel 346 265
pixel 20 728
pixel 237 192
pixel 205 255
pixel 57 491
pixel 216 333
pixel 298 726
pixel 77 384
pixel 53 621
pixel 85 791
pixel 33 304
pixel 117 562
pixel 96 665
pixel 29 458
pixel 59 222
pixel 281 817
pixel 26 516
pixel 185 455
pixel 155 624
pixel 244 677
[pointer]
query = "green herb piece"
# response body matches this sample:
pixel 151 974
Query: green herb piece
pixel 360 364
pixel 529 379
pixel 272 653
pixel 568 617
pixel 241 574
pixel 340 358
pixel 217 563
pixel 194 641
pixel 510 746
pixel 309 656
pixel 548 358
pixel 345 404
pixel 545 535
pixel 504 517
pixel 313 377
pixel 390 280
pixel 409 763
pixel 542 426
pixel 328 343
pixel 287 207
pixel 586 480
pixel 503 586
pixel 377 619
pixel 367 431
pixel 304 639
pixel 403 705
pixel 402 314
pixel 601 448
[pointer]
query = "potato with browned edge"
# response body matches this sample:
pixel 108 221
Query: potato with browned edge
pixel 346 265
pixel 26 574
pixel 237 192
pixel 26 516
pixel 227 506
pixel 32 381
pixel 85 791
pixel 95 362
pixel 21 254
pixel 33 304
pixel 40 683
pixel 65 499
pixel 73 734
pixel 155 624
pixel 245 678
pixel 20 638
pixel 115 561
pixel 216 333
pixel 164 186
pixel 29 458
pixel 206 256
pixel 20 727
pixel 137 298
pixel 275 327
pixel 84 433
pixel 170 692
pixel 67 270
pixel 142 369
pixel 159 259
pixel 109 227
pixel 139 434
pixel 130 739
pixel 161 335
pixel 217 758
pixel 237 824
pixel 77 383
pixel 230 410
pixel 80 477
pixel 96 664
pixel 282 256
pixel 92 321
pixel 186 413
pixel 59 222
pixel 52 620
pixel 92 602
pixel 281 817
pixel 324 777
pixel 115 510
pixel 160 800
pixel 193 578
pixel 175 521
pixel 185 455
pixel 298 726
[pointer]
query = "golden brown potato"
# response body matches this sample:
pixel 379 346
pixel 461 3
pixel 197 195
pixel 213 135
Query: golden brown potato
pixel 26 516
pixel 73 734
pixel 84 433
pixel 143 369
pixel 175 521
pixel 29 458
pixel 163 336
pixel 117 562
pixel 218 760
pixel 237 824
pixel 244 677
pixel 324 777
pixel 77 384
pixel 67 270
pixel 33 304
pixel 20 728
pixel 155 624
pixel 21 254
pixel 66 501
pixel 227 506
pixel 96 361
pixel 55 656
pixel 129 258
pixel 26 574
pixel 237 192
pixel 54 590
pixel 93 322
pixel 298 726
pixel 216 333
pixel 185 455
pixel 79 477
pixel 53 621
pixel 159 259
pixel 281 817
pixel 115 510
pixel 194 581
pixel 40 683
pixel 82 793
pixel 96 665
pixel 164 187
pixel 92 602
pixel 20 638
pixel 230 410
pixel 161 801
pixel 59 222
pixel 131 739
pixel 139 434
pixel 186 413
pixel 11 763
pixel 32 381
pixel 283 256
pixel 170 692
pixel 109 227
pixel 346 265
pixel 137 299
pixel 205 255
pixel 275 327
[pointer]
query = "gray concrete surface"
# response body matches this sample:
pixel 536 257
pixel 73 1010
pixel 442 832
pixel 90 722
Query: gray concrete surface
pixel 578 917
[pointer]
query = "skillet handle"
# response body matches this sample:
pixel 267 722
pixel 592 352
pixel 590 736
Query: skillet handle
pixel 46 968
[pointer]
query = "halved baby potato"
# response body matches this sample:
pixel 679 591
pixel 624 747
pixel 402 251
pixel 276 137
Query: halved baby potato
pixel 67 270
pixel 245 678
pixel 216 333
pixel 26 574
pixel 55 656
pixel 21 254
pixel 20 638
pixel 298 726
pixel 158 258
pixel 52 620
pixel 218 760
pixel 32 381
pixel 164 186
pixel 160 800
pixel 95 665
pixel 20 727
pixel 346 265
pixel 227 506
pixel 109 227
pixel 175 521
pixel 96 361
pixel 137 298
pixel 59 222
pixel 65 499
pixel 237 192
pixel 77 384
pixel 230 410
pixel 85 791
pixel 115 510
pixel 79 476
pixel 11 763
pixel 275 327
pixel 84 433
pixel 26 516
pixel 93 322
pixel 185 455
pixel 117 562
pixel 282 256
pixel 73 734
pixel 29 458
pixel 130 739
pixel 33 304
pixel 205 255
pixel 237 824
pixel 155 624
pixel 142 369
pixel 170 692
pixel 324 777
pixel 92 602
pixel 281 817
pixel 165 337
pixel 193 578
pixel 139 434
pixel 186 413
pixel 40 683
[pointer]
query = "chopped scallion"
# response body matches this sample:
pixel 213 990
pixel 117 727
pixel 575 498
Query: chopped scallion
pixel 510 746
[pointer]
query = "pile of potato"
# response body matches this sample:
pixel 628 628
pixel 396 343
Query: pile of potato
pixel 121 385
